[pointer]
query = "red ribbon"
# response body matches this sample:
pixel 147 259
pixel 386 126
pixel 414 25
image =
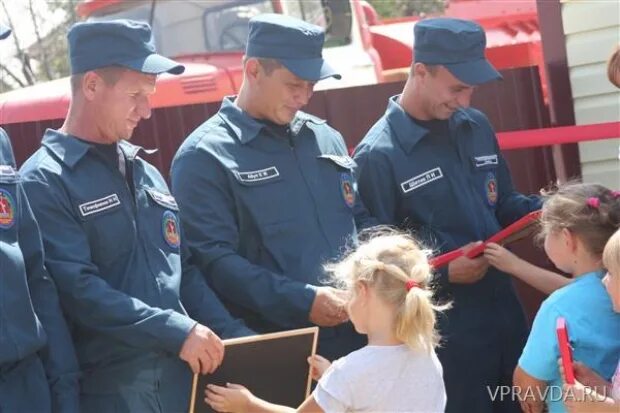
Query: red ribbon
pixel 410 284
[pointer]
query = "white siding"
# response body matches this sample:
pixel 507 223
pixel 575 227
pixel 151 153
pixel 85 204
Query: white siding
pixel 592 29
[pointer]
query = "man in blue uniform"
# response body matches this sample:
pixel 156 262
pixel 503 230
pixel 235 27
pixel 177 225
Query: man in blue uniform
pixel 266 191
pixel 111 231
pixel 432 165
pixel 38 367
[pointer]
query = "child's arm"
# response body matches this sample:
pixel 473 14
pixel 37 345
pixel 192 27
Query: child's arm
pixel 531 389
pixel 539 278
pixel 237 399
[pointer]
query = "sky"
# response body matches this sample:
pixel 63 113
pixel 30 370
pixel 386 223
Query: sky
pixel 24 30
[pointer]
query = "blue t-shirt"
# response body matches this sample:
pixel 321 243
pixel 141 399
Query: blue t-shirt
pixel 593 329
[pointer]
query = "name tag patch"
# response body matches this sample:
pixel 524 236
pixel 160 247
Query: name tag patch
pixel 165 200
pixel 257 176
pixel 421 180
pixel 99 205
pixel 485 160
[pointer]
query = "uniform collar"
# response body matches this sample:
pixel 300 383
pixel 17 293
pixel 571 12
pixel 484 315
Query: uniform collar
pixel 408 132
pixel 70 149
pixel 247 128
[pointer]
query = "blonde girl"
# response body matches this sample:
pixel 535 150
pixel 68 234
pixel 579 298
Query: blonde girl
pixel 390 301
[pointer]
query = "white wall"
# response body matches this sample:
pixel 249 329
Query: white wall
pixel 592 29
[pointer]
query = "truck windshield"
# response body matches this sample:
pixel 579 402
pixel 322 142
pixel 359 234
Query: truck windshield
pixel 198 26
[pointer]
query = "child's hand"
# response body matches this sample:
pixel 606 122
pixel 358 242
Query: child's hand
pixel 318 365
pixel 232 398
pixel 576 397
pixel 501 258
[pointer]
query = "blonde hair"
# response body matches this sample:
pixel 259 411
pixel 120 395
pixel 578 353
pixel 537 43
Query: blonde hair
pixel 611 254
pixel 590 211
pixel 613 67
pixel 386 262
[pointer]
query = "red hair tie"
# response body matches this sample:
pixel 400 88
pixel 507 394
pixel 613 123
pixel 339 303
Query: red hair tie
pixel 615 194
pixel 410 284
pixel 594 202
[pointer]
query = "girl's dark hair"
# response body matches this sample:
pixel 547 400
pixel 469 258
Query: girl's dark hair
pixel 590 211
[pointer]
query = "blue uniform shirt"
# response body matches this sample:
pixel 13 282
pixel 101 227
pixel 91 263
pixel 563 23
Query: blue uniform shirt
pixel 264 209
pixel 593 329
pixel 450 186
pixel 116 254
pixel 30 315
pixel 450 190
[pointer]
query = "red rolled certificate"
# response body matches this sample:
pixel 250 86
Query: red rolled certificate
pixel 512 232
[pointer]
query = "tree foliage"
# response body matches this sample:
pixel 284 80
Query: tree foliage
pixel 403 8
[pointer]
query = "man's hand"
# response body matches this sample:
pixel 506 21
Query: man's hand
pixel 203 350
pixel 465 270
pixel 329 307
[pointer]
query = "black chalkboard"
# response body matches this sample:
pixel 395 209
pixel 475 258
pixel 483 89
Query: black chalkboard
pixel 272 366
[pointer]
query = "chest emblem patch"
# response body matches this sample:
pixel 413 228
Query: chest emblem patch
pixel 490 185
pixel 7 209
pixel 348 191
pixel 170 229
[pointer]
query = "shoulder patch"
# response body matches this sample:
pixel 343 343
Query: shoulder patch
pixel 7 170
pixel 341 160
pixel 485 160
pixel 99 205
pixel 8 173
pixel 163 199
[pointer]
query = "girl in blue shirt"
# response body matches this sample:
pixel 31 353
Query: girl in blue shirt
pixel 577 221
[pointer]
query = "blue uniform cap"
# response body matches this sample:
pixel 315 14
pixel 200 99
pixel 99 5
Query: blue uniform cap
pixel 127 43
pixel 456 44
pixel 4 32
pixel 294 43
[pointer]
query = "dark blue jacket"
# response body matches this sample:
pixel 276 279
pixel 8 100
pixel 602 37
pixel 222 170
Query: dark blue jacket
pixel 450 186
pixel 116 254
pixel 263 210
pixel 31 320
pixel 449 190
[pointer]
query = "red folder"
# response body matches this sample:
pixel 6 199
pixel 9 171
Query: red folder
pixel 565 350
pixel 512 232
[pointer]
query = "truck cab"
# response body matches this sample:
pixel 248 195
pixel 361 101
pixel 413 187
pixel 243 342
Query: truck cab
pixel 215 32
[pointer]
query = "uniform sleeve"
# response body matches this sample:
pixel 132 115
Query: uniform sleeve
pixel 207 211
pixel 511 205
pixel 376 185
pixel 362 216
pixel 203 305
pixel 59 359
pixel 86 297
pixel 332 392
pixel 540 355
pixel 6 151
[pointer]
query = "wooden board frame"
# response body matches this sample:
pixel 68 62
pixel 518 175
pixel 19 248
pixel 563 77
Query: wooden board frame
pixel 253 339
